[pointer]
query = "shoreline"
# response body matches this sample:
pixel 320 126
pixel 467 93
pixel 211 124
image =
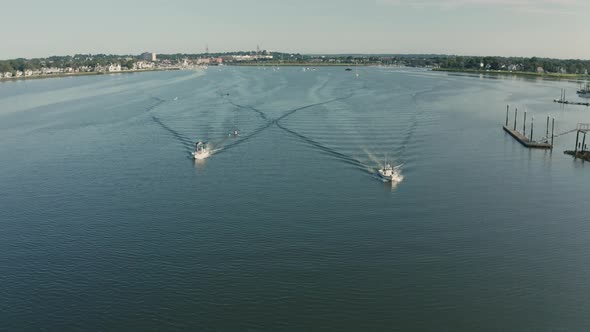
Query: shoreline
pixel 513 73
pixel 296 64
pixel 91 73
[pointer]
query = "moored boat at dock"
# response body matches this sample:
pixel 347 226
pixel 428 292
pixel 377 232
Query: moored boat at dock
pixel 584 91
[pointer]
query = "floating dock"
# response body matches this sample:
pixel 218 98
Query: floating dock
pixel 579 154
pixel 528 141
pixel 581 150
pixel 570 102
pixel 525 141
pixel 562 100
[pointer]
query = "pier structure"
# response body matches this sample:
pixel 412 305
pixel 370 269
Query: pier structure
pixel 581 149
pixel 521 136
pixel 562 100
pixel 570 102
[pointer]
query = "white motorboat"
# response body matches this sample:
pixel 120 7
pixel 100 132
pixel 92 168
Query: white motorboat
pixel 390 173
pixel 201 151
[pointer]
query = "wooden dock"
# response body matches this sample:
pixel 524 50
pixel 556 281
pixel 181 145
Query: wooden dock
pixel 570 102
pixel 525 141
pixel 584 155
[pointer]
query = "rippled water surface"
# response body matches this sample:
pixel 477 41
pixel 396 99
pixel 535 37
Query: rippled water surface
pixel 106 224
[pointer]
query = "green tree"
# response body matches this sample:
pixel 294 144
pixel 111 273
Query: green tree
pixel 5 67
pixel 129 64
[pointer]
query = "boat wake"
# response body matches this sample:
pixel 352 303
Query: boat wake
pixel 293 111
pixel 221 146
pixel 346 158
pixel 414 122
pixel 183 140
pixel 260 113
pixel 159 101
pixel 243 138
pixel 275 121
pixel 372 157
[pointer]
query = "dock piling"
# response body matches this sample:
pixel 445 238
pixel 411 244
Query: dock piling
pixel 561 95
pixel 507 108
pixel 521 136
pixel 580 149
pixel 552 128
pixel 547 132
pixel 532 122
pixel 524 125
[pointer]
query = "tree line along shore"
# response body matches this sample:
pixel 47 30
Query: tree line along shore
pixel 93 64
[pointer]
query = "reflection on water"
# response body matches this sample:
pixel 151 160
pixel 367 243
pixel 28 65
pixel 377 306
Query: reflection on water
pixel 199 163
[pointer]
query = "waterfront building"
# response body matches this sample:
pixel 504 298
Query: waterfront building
pixel 143 65
pixel 147 56
pixel 114 67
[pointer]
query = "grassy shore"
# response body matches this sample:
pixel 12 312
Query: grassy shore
pixel 5 79
pixel 515 73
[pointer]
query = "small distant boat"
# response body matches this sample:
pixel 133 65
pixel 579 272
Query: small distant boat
pixel 390 173
pixel 175 98
pixel 201 151
pixel 348 69
pixel 584 91
pixel 235 132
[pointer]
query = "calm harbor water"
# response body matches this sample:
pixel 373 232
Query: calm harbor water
pixel 106 224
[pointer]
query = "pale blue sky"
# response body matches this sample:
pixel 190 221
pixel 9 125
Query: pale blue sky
pixel 552 28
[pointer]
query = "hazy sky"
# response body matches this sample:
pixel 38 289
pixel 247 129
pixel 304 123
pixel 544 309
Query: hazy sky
pixel 552 28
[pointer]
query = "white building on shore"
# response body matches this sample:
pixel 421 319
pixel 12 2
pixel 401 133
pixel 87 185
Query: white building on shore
pixel 114 67
pixel 143 65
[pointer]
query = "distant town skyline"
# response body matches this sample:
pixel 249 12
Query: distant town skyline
pixel 544 28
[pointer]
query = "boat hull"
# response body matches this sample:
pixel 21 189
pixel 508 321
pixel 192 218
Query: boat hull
pixel 200 155
pixel 394 177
